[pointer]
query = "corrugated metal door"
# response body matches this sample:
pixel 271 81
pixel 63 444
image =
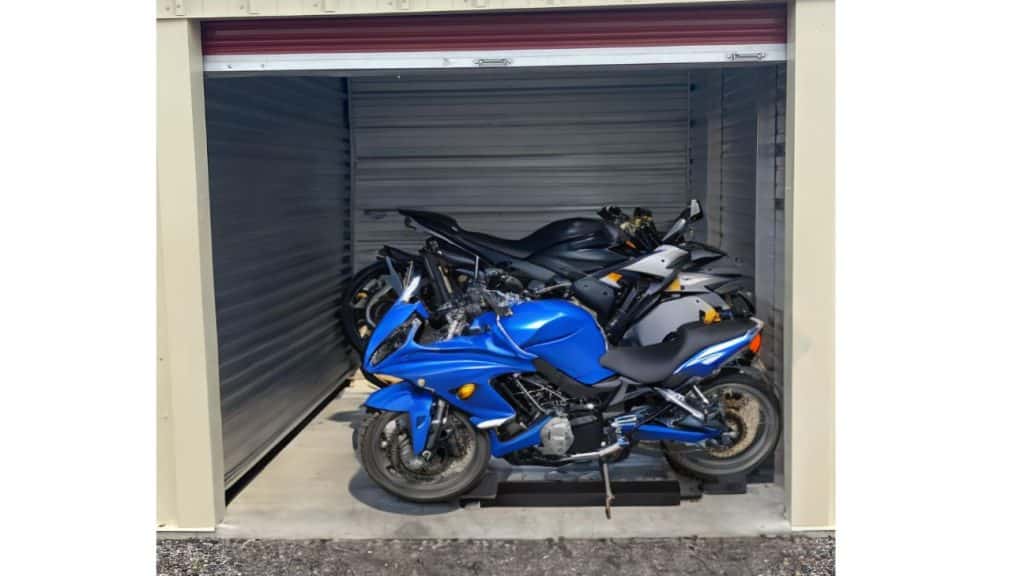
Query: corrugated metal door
pixel 279 193
pixel 508 151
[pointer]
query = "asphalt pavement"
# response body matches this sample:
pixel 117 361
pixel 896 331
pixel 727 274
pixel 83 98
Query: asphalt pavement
pixel 763 556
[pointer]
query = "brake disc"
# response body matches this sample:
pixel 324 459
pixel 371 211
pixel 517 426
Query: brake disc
pixel 421 469
pixel 743 417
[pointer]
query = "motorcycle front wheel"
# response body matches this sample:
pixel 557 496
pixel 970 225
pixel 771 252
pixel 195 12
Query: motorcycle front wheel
pixel 459 459
pixel 752 415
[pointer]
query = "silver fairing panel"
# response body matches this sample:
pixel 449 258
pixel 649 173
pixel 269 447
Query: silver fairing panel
pixel 658 262
pixel 670 315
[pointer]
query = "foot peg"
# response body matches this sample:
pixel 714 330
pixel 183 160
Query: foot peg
pixel 608 496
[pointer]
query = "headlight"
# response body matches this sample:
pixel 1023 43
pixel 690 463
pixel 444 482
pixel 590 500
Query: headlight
pixel 395 340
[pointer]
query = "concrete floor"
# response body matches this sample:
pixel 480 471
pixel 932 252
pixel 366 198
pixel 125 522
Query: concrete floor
pixel 315 489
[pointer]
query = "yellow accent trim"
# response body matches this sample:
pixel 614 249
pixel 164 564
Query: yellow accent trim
pixel 711 316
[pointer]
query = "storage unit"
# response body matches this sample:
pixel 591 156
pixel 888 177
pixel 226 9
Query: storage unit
pixel 317 128
pixel 503 151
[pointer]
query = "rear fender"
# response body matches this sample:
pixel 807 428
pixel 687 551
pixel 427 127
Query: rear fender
pixel 751 372
pixel 404 397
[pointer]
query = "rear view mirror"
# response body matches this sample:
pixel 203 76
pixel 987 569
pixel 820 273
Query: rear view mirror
pixel 410 289
pixel 688 216
pixel 696 211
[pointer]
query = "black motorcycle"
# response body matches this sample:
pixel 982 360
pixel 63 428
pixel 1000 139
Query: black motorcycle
pixel 605 263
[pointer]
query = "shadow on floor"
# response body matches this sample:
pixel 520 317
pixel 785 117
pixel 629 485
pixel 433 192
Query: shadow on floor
pixel 362 488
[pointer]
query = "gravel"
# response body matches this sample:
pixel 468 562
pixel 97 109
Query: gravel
pixel 805 555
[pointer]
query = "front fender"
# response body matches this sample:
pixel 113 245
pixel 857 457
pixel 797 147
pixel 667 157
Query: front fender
pixel 404 397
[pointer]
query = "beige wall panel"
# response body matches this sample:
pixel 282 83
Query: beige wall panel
pixel 265 8
pixel 190 481
pixel 810 267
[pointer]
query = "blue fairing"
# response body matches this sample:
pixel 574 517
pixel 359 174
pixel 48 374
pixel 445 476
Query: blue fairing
pixel 478 356
pixel 705 362
pixel 561 333
pixel 398 313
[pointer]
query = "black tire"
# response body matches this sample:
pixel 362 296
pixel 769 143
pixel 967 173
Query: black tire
pixel 719 463
pixel 378 456
pixel 353 318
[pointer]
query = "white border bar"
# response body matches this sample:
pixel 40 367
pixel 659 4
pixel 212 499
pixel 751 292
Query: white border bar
pixel 714 54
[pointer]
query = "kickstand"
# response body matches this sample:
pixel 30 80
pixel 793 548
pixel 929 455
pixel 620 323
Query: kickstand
pixel 608 496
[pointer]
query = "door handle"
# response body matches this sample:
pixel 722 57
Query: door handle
pixel 746 56
pixel 492 61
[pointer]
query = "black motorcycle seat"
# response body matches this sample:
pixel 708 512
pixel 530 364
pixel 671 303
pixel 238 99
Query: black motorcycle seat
pixel 521 248
pixel 544 237
pixel 655 363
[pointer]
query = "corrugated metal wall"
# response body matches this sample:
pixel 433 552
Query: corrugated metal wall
pixel 779 142
pixel 506 151
pixel 738 148
pixel 735 229
pixel 279 193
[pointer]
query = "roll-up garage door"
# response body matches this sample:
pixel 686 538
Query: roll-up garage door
pixel 536 38
pixel 508 151
pixel 279 197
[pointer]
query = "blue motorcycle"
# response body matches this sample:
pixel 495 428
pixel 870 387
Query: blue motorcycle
pixel 534 382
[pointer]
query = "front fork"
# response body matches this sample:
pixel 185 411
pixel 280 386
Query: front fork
pixel 439 420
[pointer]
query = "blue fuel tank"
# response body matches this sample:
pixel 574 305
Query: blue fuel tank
pixel 563 334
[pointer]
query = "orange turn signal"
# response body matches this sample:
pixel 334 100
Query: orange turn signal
pixel 755 343
pixel 465 391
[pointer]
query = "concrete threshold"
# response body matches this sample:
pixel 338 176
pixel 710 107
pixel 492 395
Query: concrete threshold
pixel 315 489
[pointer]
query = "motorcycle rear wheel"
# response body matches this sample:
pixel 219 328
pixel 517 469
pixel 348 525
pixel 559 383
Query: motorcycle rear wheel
pixel 752 412
pixel 458 463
